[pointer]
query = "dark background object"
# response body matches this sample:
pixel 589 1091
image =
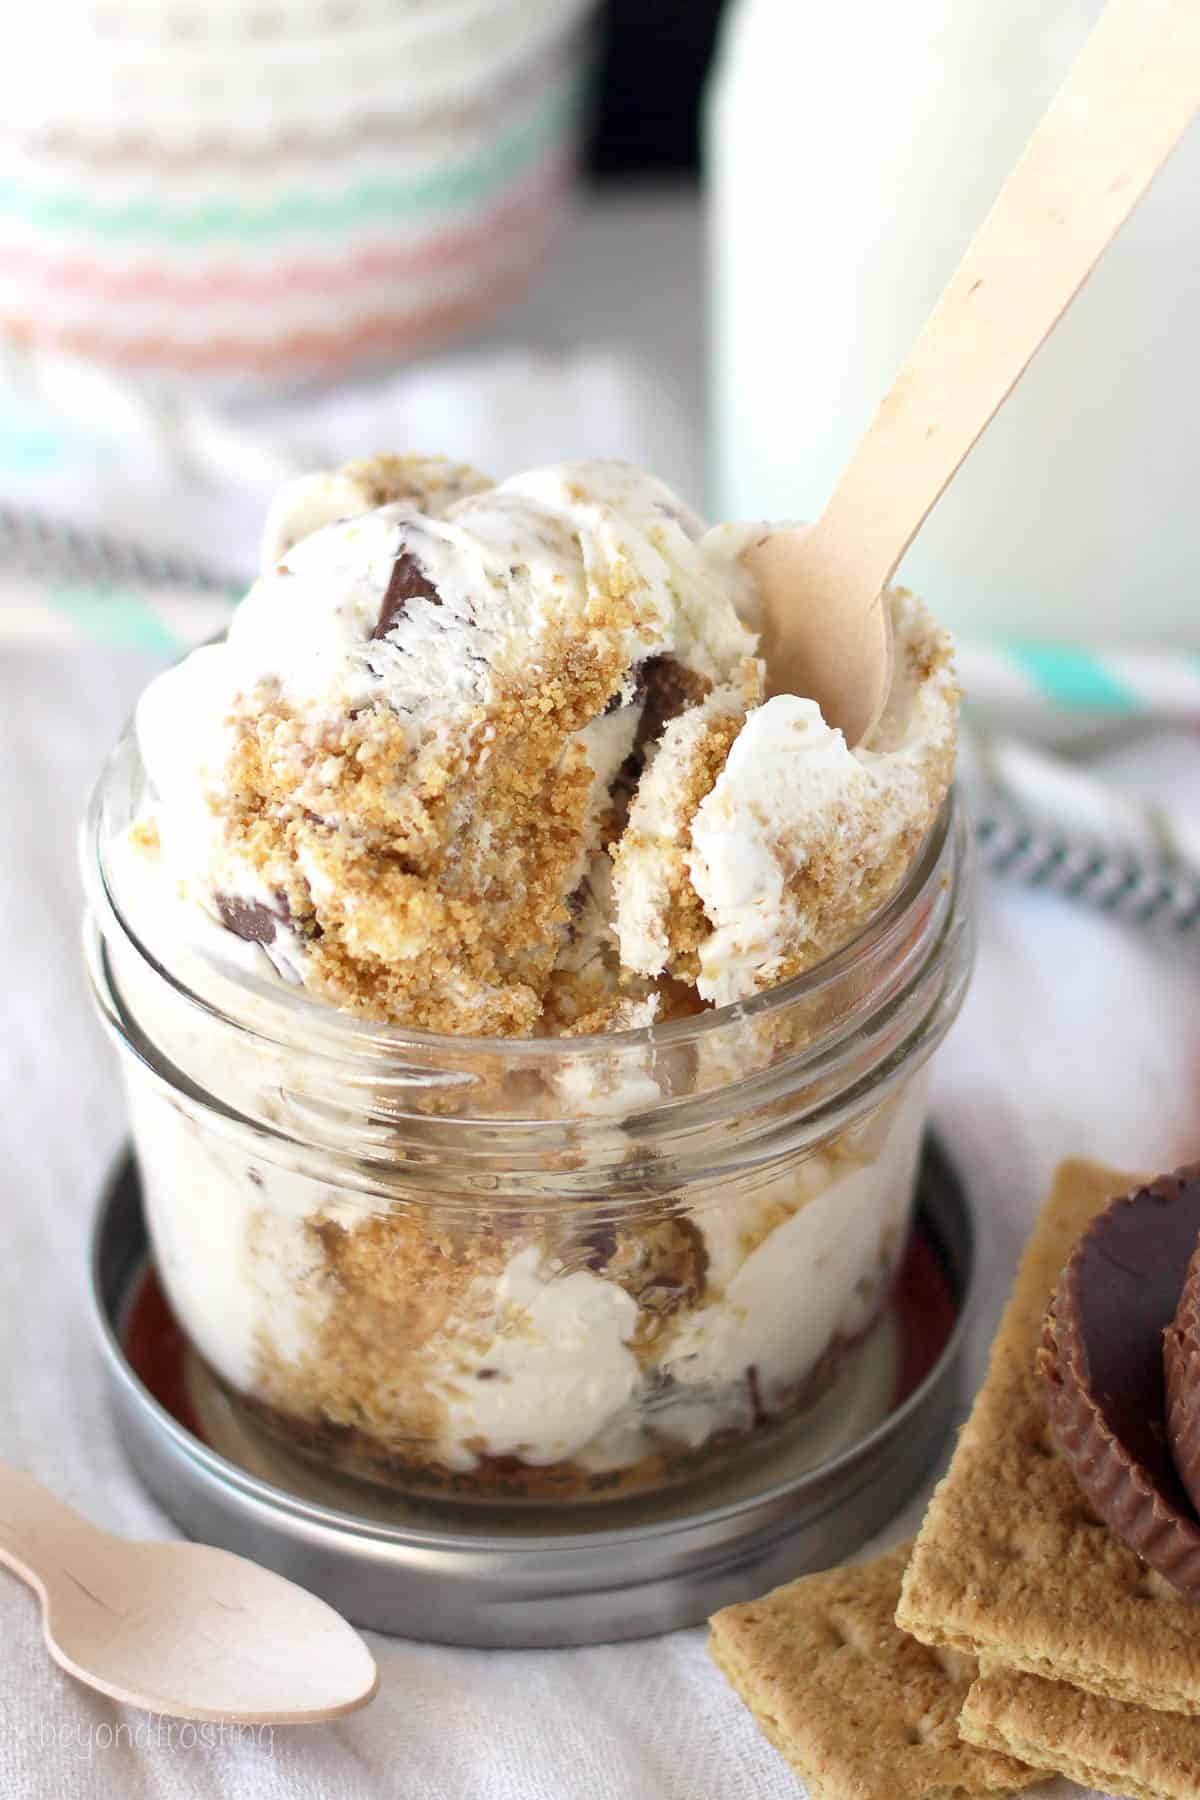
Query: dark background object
pixel 653 59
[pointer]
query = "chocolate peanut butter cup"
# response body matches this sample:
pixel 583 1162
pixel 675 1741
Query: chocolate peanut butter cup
pixel 1181 1372
pixel 1101 1363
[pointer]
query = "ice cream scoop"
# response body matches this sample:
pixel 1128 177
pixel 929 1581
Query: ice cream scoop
pixel 494 759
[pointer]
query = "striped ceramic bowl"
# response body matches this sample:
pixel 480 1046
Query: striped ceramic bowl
pixel 259 194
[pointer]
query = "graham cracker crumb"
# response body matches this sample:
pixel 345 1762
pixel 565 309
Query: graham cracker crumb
pixel 431 483
pixel 408 909
pixel 395 1282
pixel 402 1292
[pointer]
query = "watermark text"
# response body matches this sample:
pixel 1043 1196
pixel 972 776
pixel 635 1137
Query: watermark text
pixel 86 1739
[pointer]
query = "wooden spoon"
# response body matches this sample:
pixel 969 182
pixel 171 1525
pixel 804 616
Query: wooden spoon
pixel 179 1628
pixel 1122 109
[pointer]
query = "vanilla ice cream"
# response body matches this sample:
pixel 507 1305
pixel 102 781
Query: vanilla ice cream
pixel 449 715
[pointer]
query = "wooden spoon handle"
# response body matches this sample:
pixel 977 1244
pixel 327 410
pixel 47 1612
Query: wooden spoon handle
pixel 1126 103
pixel 39 1533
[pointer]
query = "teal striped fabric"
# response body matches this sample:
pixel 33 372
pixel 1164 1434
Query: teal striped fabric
pixel 447 188
pixel 117 618
pixel 1067 676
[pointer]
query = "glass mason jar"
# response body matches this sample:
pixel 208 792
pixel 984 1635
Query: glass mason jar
pixel 514 1269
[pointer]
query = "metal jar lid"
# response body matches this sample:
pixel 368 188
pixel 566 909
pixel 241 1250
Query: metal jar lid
pixel 524 1576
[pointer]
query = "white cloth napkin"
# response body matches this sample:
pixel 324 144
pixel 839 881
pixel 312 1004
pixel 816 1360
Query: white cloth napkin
pixel 1078 1036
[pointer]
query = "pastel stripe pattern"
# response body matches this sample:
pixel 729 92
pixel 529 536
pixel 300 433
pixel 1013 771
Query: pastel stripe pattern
pixel 450 187
pixel 384 258
pixel 340 227
pixel 289 350
pixel 64 147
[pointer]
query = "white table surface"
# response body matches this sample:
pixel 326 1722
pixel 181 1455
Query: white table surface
pixel 1078 1036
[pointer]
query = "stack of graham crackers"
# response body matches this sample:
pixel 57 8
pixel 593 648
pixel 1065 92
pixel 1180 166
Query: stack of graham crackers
pixel 1017 1637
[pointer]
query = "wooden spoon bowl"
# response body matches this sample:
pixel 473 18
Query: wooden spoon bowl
pixel 179 1628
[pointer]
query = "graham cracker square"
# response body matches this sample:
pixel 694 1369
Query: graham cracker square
pixel 860 1711
pixel 1011 1565
pixel 1105 1744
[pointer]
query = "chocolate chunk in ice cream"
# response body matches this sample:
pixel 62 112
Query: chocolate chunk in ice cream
pixel 408 581
pixel 250 919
